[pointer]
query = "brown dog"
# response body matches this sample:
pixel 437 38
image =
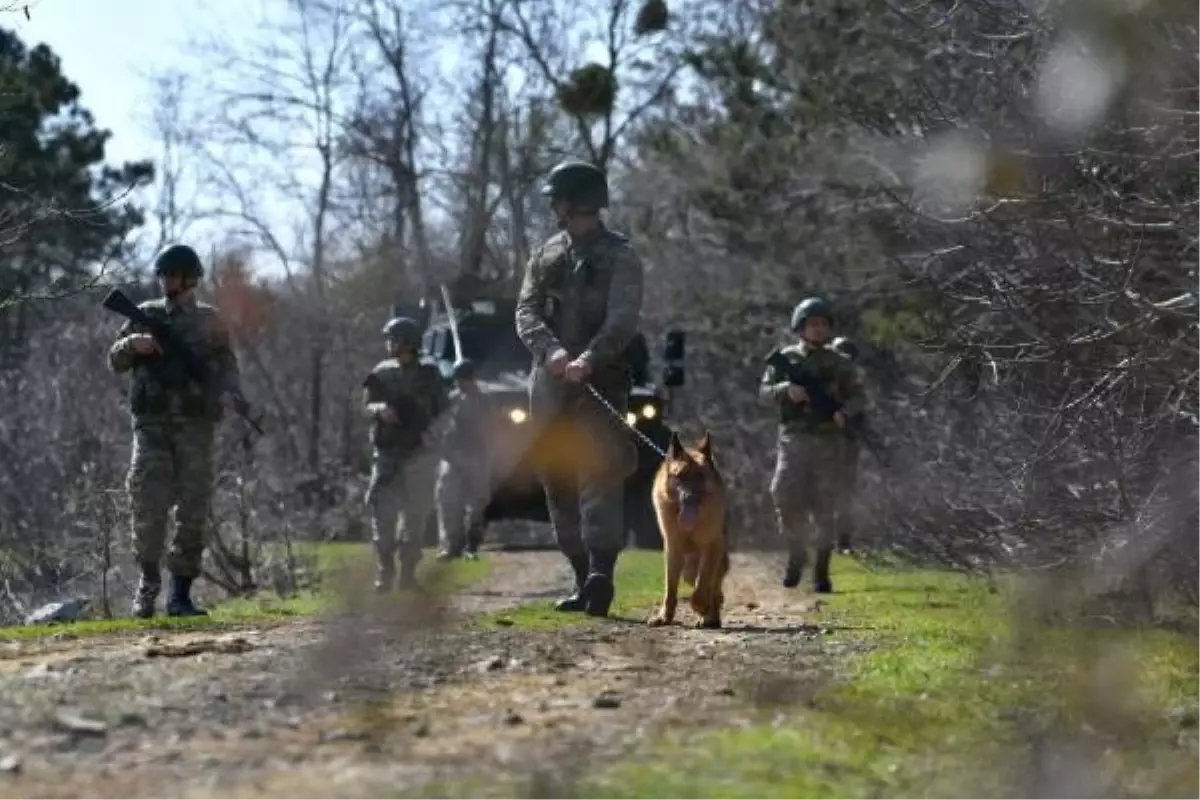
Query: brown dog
pixel 689 500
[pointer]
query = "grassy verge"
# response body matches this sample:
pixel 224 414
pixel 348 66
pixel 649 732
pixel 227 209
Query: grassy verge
pixel 945 701
pixel 943 704
pixel 265 608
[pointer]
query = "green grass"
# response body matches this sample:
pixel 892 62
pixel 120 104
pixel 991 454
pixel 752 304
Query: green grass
pixel 939 704
pixel 265 608
pixel 936 706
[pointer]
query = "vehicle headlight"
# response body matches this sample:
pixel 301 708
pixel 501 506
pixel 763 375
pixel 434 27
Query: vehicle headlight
pixel 517 415
pixel 649 411
pixel 631 418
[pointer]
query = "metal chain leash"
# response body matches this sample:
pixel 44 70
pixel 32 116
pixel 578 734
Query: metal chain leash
pixel 646 440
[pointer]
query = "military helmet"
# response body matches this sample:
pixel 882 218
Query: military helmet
pixel 464 368
pixel 846 347
pixel 810 307
pixel 579 182
pixel 402 329
pixel 179 259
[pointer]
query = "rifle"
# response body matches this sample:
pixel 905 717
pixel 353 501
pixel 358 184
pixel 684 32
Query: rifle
pixel 413 419
pixel 174 348
pixel 825 405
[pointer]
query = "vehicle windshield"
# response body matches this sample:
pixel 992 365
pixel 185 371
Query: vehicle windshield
pixel 493 347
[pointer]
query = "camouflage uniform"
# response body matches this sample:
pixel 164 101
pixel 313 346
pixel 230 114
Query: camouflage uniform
pixel 584 295
pixel 463 482
pixel 848 484
pixel 810 459
pixel 404 467
pixel 174 428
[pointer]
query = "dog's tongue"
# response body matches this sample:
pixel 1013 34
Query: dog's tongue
pixel 687 515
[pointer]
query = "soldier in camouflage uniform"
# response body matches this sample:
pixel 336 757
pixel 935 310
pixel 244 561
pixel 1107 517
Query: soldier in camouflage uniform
pixel 463 482
pixel 403 398
pixel 579 307
pixel 174 429
pixel 845 507
pixel 811 452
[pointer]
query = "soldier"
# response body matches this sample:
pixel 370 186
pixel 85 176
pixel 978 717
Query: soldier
pixel 845 512
pixel 578 308
pixel 403 397
pixel 811 456
pixel 174 428
pixel 463 482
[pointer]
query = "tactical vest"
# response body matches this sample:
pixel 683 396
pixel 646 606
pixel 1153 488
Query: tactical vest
pixel 160 384
pixel 409 390
pixel 823 364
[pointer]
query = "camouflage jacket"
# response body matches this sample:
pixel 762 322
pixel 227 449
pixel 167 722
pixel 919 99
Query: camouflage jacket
pixel 835 373
pixel 584 295
pixel 416 393
pixel 464 437
pixel 161 386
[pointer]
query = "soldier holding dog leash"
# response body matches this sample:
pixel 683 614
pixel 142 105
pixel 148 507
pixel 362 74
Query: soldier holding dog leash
pixel 578 308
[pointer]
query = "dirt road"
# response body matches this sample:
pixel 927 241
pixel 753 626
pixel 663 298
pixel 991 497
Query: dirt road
pixel 387 706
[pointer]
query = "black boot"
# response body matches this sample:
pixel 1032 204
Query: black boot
pixel 821 582
pixel 576 601
pixel 598 590
pixel 180 604
pixel 148 588
pixel 795 567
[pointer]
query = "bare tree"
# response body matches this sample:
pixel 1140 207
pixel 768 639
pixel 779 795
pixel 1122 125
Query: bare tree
pixel 385 130
pixel 275 144
pixel 603 100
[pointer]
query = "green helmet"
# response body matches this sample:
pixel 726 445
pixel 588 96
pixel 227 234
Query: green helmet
pixel 464 368
pixel 581 183
pixel 846 347
pixel 810 307
pixel 179 259
pixel 403 329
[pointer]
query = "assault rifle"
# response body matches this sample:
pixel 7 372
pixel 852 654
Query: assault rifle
pixel 175 349
pixel 822 403
pixel 405 435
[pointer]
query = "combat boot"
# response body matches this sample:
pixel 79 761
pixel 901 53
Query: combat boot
pixel 793 571
pixel 149 585
pixel 576 601
pixel 179 603
pixel 821 582
pixel 598 590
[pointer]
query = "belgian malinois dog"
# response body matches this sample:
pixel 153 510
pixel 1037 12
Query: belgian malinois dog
pixel 689 500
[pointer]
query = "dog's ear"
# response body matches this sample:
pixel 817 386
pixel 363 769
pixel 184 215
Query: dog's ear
pixel 674 447
pixel 705 447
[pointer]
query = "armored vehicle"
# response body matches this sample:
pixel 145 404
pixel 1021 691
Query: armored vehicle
pixel 488 337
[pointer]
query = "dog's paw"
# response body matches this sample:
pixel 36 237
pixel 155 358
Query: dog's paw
pixel 712 623
pixel 658 620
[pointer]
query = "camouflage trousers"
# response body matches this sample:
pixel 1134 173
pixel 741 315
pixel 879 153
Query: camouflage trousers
pixel 847 489
pixel 400 499
pixel 463 491
pixel 584 457
pixel 806 488
pixel 171 467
